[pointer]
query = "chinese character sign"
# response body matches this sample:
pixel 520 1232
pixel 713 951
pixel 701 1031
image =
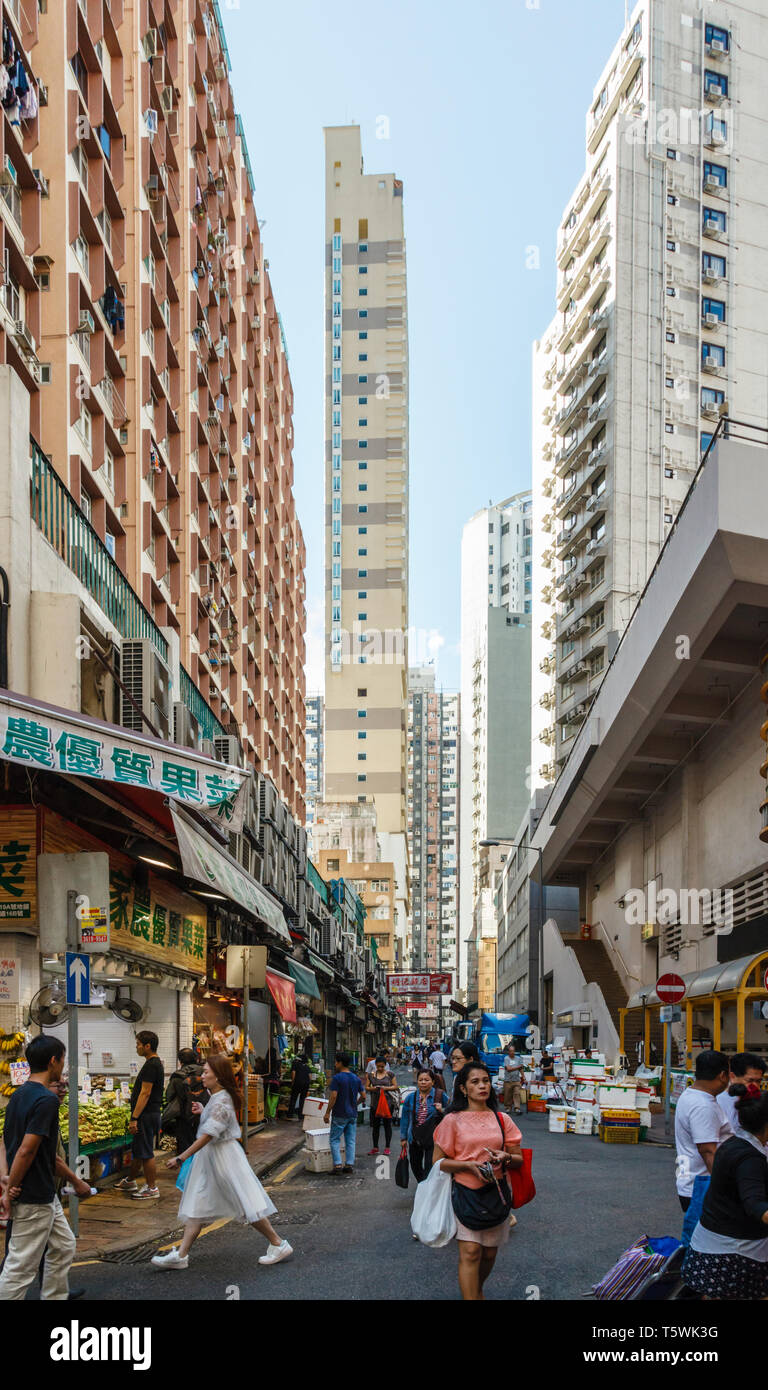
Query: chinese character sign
pixel 158 922
pixel 37 739
pixel 430 982
pixel 18 860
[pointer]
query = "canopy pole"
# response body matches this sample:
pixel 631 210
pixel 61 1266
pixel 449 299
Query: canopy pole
pixel 717 1023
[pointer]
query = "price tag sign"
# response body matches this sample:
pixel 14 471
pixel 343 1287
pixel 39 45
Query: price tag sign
pixel 19 1073
pixel 125 1090
pixel 83 1097
pixel 87 1084
pixel 96 1097
pixel 109 1084
pixel 133 1068
pixel 86 1045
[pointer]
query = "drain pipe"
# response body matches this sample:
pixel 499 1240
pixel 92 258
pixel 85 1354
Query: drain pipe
pixel 4 608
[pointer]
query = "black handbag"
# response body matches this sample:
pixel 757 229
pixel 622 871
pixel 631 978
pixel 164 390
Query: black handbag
pixel 424 1134
pixel 479 1208
pixel 401 1172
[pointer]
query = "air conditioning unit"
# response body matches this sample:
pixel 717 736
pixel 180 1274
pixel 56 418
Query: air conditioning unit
pixel 267 799
pixel 147 678
pixel 712 226
pixel 220 128
pixel 186 729
pixel 228 750
pixel 24 336
pixel 712 320
pixel 712 277
pixel 712 185
pixel 220 70
pixel 86 323
pixel 254 277
pixel 206 748
pixel 594 500
pixel 716 47
pixel 153 187
pixel 172 122
pixel 166 98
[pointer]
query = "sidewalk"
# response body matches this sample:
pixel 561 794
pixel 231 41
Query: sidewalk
pixel 114 1227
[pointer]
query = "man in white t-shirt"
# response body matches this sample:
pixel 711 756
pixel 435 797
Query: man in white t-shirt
pixel 745 1067
pixel 437 1059
pixel 700 1125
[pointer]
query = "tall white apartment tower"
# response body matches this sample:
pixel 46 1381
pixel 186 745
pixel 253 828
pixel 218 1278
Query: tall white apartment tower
pixel 366 470
pixel 496 584
pixel 660 328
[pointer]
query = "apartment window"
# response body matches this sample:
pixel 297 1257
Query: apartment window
pixel 671 154
pixel 669 472
pixel 362 692
pixel 336 614
pixel 362 357
pixel 362 714
pixel 671 291
pixel 84 426
pixel 711 397
pixel 710 216
pixel 672 199
pixel 715 130
pixel 337 290
pixel 714 306
pixel 706 440
pixel 567 647
pixel 669 382
pixel 362 487
pixel 596 576
pixel 671 245
pixel 337 353
pixel 597 620
pixel 362 508
pixel 337 421
pixel 362 593
pixel 362 400
pixel 597 531
pixel 337 484
pixel 712 355
pixel 362 313
pixel 362 380
pixel 362 757
pixel 669 428
pixel 361 292
pixel 505 528
pixel 362 335
pixel 337 373
pixel 337 548
pixel 337 242
pixel 715 83
pixel 715 173
pixel 337 333
pixel 336 264
pixel 667 518
pixel 337 401
pixel 361 733
pixel 716 38
pixel 337 569
pixel 670 336
pixel 362 463
pixel 85 505
pixel 596 663
pixel 362 269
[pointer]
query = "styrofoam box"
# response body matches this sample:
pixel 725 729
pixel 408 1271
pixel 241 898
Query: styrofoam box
pixel 617 1097
pixel 318 1140
pixel 318 1162
pixel 558 1118
pixel 314 1106
pixel 583 1122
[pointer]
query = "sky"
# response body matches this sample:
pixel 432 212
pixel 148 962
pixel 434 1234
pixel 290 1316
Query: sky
pixel 485 109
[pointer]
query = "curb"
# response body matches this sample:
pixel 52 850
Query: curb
pixel 118 1254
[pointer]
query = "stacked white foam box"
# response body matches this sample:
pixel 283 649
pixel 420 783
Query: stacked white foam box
pixel 313 1110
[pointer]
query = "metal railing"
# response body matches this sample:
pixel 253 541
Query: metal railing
pixel 210 727
pixel 69 531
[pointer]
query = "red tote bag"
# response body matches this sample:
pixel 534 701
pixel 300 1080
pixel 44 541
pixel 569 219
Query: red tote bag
pixel 521 1181
pixel 382 1111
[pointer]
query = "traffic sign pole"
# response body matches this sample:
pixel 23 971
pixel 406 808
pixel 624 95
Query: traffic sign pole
pixel 670 989
pixel 73 1146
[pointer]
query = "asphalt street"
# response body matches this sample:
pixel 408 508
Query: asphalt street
pixel 352 1240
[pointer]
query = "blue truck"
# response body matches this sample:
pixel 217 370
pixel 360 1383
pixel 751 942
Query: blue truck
pixel 491 1033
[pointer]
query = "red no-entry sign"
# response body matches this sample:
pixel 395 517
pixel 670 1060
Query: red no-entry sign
pixel 670 988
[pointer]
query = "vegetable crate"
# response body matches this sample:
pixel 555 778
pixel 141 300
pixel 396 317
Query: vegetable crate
pixel 619 1134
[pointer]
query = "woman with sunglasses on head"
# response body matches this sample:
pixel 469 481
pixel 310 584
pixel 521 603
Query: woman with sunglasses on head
pixel 478 1145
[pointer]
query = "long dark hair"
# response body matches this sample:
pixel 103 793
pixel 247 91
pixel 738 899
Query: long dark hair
pixel 460 1101
pixel 224 1073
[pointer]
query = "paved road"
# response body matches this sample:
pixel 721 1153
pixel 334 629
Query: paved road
pixel 351 1236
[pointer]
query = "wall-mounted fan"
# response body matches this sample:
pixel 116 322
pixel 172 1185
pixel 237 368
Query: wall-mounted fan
pixel 49 1006
pixel 126 1008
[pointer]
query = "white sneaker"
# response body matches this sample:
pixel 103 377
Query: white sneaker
pixel 173 1260
pixel 276 1253
pixel 126 1185
pixel 146 1194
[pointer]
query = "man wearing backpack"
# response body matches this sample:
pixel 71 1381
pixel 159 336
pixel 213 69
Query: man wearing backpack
pixel 184 1088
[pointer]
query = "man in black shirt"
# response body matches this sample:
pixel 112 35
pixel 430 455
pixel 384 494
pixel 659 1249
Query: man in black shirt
pixel 146 1107
pixel 301 1078
pixel 28 1193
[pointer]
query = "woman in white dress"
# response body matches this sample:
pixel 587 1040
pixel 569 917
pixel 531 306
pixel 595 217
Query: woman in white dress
pixel 220 1181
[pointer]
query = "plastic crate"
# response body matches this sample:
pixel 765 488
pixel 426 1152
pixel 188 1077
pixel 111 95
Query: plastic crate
pixel 619 1134
pixel 537 1105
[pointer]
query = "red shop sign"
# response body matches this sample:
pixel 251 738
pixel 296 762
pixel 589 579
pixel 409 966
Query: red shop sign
pixel 283 991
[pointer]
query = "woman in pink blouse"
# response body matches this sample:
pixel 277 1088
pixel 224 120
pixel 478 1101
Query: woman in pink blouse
pixel 473 1134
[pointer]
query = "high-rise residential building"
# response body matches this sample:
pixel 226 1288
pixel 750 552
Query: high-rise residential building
pixel 374 883
pixel 433 822
pixel 366 416
pixel 658 330
pixel 495 684
pixel 314 739
pixel 140 315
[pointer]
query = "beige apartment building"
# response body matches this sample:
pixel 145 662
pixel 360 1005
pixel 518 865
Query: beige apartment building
pixel 137 310
pixel 660 327
pixel 366 418
pixel 374 882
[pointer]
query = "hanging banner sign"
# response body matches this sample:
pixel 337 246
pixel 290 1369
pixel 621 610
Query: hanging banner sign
pixel 18 875
pixel 430 982
pixel 38 736
pixel 283 992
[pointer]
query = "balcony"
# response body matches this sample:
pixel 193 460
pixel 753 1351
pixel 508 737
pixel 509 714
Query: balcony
pixel 68 530
pixel 189 694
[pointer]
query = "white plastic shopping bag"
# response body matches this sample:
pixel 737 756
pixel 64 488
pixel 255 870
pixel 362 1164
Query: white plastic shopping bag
pixel 432 1219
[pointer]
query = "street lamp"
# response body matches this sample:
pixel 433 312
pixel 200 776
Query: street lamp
pixel 516 844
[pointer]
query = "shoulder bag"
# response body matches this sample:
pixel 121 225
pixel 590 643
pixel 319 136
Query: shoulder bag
pixel 480 1208
pixel 424 1134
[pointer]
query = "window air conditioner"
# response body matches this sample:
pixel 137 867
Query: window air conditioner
pixel 712 320
pixel 712 226
pixel 86 323
pixel 186 729
pixel 227 750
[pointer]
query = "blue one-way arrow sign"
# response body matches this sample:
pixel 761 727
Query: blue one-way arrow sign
pixel 78 978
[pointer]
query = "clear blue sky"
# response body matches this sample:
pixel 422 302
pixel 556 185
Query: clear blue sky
pixel 486 104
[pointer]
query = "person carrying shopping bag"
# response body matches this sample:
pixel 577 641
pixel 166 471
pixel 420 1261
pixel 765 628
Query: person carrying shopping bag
pixel 220 1181
pixel 477 1145
pixel 422 1111
pixel 382 1089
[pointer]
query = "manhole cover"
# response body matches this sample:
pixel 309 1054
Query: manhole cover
pixel 138 1254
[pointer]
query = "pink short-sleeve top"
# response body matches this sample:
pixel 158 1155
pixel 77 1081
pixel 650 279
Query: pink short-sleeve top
pixel 466 1134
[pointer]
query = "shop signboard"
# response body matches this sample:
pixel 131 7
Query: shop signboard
pixel 283 991
pixel 18 852
pixel 38 736
pixel 9 980
pixel 428 982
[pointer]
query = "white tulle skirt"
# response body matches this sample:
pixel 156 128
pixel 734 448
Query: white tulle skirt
pixel 222 1183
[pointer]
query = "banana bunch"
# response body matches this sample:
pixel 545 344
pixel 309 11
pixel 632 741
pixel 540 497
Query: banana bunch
pixel 10 1042
pixel 7 1089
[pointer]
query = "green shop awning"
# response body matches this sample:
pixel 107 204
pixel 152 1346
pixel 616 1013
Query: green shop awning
pixel 304 978
pixel 319 965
